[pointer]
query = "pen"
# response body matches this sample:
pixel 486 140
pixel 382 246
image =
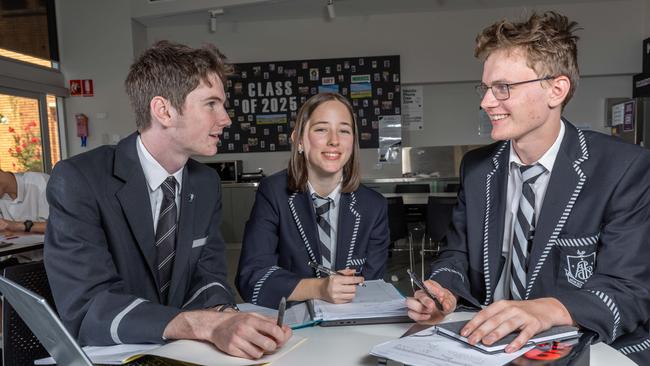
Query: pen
pixel 281 308
pixel 419 284
pixel 10 237
pixel 327 271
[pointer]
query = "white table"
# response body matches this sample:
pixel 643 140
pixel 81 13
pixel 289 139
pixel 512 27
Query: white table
pixel 350 346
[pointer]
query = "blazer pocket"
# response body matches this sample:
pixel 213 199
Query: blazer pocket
pixel 199 242
pixel 577 256
pixel 356 263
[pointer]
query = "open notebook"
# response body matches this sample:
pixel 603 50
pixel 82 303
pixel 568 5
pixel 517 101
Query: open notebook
pixel 49 330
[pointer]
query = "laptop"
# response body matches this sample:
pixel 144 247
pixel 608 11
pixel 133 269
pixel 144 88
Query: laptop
pixel 44 323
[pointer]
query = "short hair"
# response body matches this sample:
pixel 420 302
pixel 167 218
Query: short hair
pixel 172 71
pixel 547 40
pixel 297 171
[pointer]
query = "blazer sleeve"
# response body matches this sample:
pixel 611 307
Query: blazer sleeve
pixel 616 298
pixel 450 270
pixel 259 278
pixel 209 285
pixel 89 294
pixel 378 242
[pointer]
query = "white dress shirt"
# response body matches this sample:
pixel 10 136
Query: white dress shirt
pixel 155 175
pixel 502 290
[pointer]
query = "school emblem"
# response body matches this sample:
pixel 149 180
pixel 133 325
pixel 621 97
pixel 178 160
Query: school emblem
pixel 580 267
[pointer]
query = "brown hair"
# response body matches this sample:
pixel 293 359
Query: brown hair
pixel 297 170
pixel 172 71
pixel 547 40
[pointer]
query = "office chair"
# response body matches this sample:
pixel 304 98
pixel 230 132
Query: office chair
pixel 439 216
pixel 397 226
pixel 19 345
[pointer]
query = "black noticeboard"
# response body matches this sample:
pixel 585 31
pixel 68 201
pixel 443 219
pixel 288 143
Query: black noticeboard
pixel 264 98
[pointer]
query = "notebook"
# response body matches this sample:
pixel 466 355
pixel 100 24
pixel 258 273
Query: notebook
pixel 556 333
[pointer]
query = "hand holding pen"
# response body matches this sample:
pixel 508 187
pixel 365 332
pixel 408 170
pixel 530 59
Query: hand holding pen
pixel 338 287
pixel 432 303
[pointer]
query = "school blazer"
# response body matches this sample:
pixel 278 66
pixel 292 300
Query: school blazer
pixel 590 249
pixel 100 252
pixel 281 237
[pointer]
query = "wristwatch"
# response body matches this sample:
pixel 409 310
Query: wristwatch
pixel 223 307
pixel 28 225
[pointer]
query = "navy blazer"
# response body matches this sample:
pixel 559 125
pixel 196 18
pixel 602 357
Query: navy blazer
pixel 99 247
pixel 281 237
pixel 591 240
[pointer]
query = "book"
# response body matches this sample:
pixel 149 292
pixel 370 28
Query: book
pixel 194 352
pixel 453 329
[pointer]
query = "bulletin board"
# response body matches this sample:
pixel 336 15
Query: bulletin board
pixel 264 98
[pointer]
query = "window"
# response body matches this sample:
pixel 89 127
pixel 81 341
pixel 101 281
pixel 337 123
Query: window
pixel 29 131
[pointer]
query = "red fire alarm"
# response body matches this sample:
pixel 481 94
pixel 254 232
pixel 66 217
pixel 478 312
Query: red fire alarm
pixel 81 88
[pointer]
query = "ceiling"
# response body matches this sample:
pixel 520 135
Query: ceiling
pixel 297 9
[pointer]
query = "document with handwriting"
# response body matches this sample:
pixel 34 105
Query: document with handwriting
pixel 427 348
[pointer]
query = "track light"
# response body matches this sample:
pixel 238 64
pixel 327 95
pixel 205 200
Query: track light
pixel 213 18
pixel 330 9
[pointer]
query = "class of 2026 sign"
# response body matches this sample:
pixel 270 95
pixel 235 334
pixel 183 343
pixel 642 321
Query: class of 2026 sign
pixel 264 98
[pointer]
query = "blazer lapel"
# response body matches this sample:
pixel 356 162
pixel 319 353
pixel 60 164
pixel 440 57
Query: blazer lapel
pixel 302 210
pixel 185 235
pixel 496 184
pixel 134 199
pixel 348 226
pixel 565 184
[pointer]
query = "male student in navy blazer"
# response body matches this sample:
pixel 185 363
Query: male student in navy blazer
pixel 116 208
pixel 583 252
pixel 282 234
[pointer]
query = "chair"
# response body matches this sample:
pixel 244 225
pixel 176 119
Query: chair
pixel 397 226
pixel 439 216
pixel 19 345
pixel 412 188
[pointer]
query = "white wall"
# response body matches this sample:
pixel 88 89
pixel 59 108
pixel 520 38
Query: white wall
pixel 436 50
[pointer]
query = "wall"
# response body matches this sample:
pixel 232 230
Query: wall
pixel 436 52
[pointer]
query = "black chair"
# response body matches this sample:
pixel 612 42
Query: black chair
pixel 412 188
pixel 397 224
pixel 19 345
pixel 439 216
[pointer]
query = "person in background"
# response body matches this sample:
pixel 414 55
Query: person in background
pixel 133 250
pixel 316 211
pixel 23 206
pixel 552 223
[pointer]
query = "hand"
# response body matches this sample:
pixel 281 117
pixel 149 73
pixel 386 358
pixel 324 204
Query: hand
pixel 503 317
pixel 246 335
pixel 3 224
pixel 423 310
pixel 340 288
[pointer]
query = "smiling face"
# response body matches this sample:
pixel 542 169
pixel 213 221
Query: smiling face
pixel 529 114
pixel 328 141
pixel 197 129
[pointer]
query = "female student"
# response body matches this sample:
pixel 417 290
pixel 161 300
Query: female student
pixel 315 211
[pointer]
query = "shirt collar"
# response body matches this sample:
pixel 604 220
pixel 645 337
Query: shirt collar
pixel 334 195
pixel 154 173
pixel 548 159
pixel 20 189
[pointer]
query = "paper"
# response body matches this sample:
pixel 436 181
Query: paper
pixel 412 108
pixel 199 353
pixel 427 348
pixel 30 239
pixel 377 300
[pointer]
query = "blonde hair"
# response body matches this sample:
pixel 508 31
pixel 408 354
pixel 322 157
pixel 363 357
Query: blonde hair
pixel 297 170
pixel 547 42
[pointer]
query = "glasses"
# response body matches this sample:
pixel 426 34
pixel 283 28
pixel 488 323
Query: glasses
pixel 501 91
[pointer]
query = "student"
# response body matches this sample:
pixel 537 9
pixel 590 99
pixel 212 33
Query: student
pixel 316 210
pixel 552 222
pixel 23 207
pixel 133 250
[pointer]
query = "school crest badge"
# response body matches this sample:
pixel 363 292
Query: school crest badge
pixel 580 267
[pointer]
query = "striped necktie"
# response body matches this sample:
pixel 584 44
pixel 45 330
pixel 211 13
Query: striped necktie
pixel 166 236
pixel 524 230
pixel 322 206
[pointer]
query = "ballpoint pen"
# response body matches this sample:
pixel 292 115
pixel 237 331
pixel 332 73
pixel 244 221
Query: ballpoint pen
pixel 419 284
pixel 281 309
pixel 327 271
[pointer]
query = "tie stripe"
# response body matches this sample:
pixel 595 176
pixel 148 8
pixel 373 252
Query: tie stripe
pixel 323 206
pixel 524 230
pixel 166 236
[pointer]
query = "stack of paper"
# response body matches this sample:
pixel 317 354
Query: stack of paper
pixel 297 316
pixel 377 299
